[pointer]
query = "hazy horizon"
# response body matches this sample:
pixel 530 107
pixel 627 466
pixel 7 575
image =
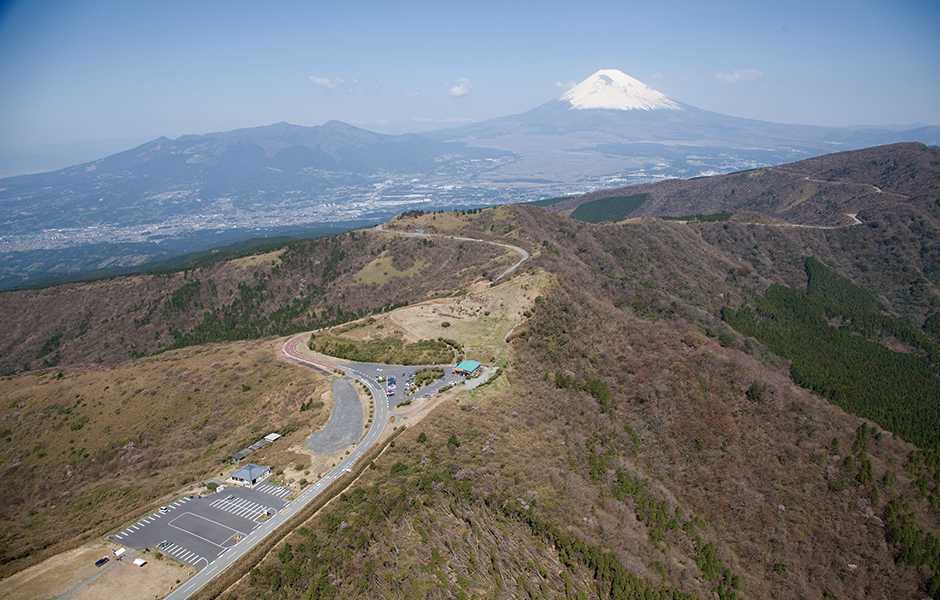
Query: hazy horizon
pixel 82 79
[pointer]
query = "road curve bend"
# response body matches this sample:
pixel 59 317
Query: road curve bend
pixel 521 252
pixel 291 351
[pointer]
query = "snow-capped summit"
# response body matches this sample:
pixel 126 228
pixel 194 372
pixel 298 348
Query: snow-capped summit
pixel 613 89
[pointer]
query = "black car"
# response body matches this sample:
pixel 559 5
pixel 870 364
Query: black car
pixel 101 561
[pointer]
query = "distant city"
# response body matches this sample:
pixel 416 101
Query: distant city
pixel 382 196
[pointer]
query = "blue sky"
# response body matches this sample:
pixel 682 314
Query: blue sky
pixel 77 73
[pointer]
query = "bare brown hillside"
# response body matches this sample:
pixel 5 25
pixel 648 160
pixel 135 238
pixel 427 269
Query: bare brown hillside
pixel 817 191
pixel 625 453
pixel 306 285
pixel 91 447
pixel 635 444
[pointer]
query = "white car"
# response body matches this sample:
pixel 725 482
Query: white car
pixel 164 510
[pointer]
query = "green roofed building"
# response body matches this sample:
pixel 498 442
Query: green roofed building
pixel 467 367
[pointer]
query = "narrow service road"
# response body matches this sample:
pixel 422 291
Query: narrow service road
pixel 521 252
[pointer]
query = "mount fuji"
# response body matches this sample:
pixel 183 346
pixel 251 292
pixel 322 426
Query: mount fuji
pixel 613 128
pixel 194 192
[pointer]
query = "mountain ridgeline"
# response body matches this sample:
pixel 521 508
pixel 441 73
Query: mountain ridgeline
pixel 739 401
pixel 172 196
pixel 667 427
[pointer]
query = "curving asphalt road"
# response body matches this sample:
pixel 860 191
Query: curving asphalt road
pixel 291 351
pixel 364 372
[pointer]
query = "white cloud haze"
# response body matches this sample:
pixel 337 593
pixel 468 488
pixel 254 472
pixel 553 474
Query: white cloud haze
pixel 460 88
pixel 740 75
pixel 330 83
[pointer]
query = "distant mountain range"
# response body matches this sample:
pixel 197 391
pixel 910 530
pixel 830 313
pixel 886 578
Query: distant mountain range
pixel 612 124
pixel 609 130
pixel 242 169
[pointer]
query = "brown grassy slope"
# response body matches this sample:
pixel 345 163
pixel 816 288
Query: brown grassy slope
pixel 95 446
pixel 767 486
pixel 791 192
pixel 908 168
pixel 896 254
pixel 310 284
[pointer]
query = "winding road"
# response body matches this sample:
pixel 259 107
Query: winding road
pixel 853 216
pixel 291 350
pixel 869 186
pixel 294 351
pixel 522 252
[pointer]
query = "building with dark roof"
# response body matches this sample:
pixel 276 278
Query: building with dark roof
pixel 249 475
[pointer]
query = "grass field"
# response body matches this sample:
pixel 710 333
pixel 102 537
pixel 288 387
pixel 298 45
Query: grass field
pixel 89 448
pixel 382 270
pixel 614 208
pixel 479 320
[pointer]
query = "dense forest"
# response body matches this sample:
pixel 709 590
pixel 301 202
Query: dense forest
pixel 608 209
pixel 844 347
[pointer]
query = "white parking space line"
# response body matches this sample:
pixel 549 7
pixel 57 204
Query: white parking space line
pixel 182 554
pixel 241 507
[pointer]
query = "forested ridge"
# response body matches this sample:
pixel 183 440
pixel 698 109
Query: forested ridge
pixel 834 335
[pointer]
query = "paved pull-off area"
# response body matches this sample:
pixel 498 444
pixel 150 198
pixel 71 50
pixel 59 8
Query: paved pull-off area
pixel 345 424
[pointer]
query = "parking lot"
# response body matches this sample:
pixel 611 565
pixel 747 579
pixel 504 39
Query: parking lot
pixel 403 374
pixel 197 530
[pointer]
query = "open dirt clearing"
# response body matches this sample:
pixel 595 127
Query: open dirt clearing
pixel 72 575
pixel 480 319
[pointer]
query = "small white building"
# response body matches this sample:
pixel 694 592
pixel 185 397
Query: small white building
pixel 250 475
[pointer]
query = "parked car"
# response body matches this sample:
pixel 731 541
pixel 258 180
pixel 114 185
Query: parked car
pixel 164 510
pixel 101 561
